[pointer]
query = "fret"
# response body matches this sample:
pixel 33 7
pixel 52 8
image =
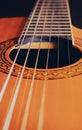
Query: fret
pixel 52 22
pixel 39 33
pixel 58 4
pixel 49 15
pixel 53 26
pixel 47 34
pixel 54 16
pixel 50 11
pixel 48 23
pixel 49 29
pixel 54 7
pixel 60 16
pixel 54 2
pixel 54 10
pixel 52 31
pixel 49 19
pixel 63 13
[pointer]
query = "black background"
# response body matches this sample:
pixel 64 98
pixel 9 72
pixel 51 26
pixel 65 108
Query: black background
pixel 15 8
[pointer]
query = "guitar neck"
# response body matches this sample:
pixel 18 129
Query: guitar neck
pixel 49 18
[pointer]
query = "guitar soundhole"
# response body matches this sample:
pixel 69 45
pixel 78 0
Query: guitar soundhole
pixel 61 56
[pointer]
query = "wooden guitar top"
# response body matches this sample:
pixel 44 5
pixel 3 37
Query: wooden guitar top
pixel 22 108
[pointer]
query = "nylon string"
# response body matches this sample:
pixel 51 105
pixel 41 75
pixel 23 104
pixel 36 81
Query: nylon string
pixel 25 118
pixel 69 55
pixel 7 122
pixel 41 114
pixel 16 93
pixel 8 77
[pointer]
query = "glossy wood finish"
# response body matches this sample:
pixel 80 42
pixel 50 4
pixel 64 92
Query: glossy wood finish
pixel 62 98
pixel 11 27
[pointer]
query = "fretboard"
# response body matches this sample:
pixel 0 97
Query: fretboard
pixel 49 18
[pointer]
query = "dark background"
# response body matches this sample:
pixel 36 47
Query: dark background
pixel 15 8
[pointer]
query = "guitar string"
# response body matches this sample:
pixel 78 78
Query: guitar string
pixel 71 33
pixel 58 50
pixel 68 8
pixel 57 86
pixel 41 113
pixel 7 122
pixel 45 74
pixel 72 38
pixel 5 85
pixel 25 118
pixel 68 51
pixel 28 105
pixel 66 38
pixel 40 125
pixel 21 42
pixel 69 55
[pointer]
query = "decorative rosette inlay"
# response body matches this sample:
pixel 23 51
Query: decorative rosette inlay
pixel 57 73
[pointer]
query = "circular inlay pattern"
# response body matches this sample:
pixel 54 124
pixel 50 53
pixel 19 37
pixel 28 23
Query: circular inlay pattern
pixel 57 73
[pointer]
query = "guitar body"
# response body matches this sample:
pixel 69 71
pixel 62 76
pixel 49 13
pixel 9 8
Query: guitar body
pixel 60 96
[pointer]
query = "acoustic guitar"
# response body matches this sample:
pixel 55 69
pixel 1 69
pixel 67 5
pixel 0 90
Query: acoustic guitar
pixel 41 70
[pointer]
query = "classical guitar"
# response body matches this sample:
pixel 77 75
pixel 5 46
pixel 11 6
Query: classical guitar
pixel 41 70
